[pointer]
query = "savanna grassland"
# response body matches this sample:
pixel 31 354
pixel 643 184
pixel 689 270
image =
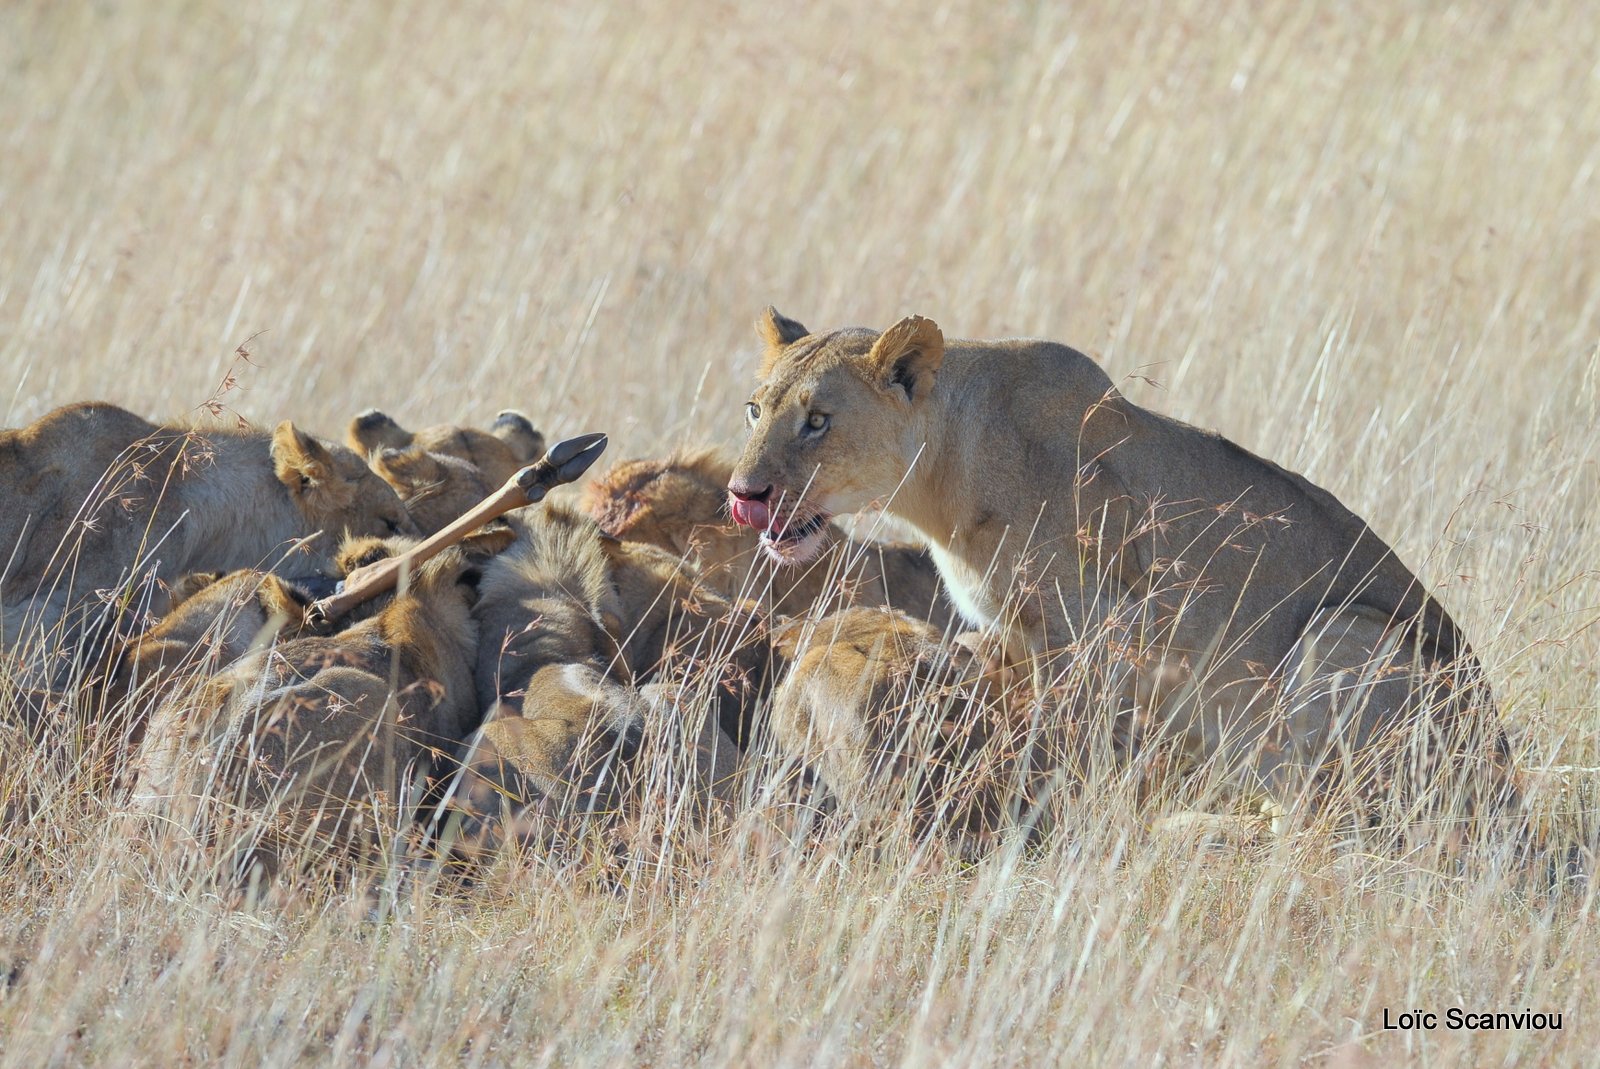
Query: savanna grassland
pixel 1362 240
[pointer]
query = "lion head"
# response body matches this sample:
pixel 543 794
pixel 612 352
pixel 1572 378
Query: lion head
pixel 835 425
pixel 334 489
pixel 435 487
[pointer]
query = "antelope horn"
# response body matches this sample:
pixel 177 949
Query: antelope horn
pixel 565 461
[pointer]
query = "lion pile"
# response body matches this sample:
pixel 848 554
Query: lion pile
pixel 693 638
pixel 540 679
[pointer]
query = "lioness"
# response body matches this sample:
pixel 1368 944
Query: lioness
pixel 894 723
pixel 435 487
pixel 511 443
pixel 214 619
pixel 1284 637
pixel 319 741
pixel 565 594
pixel 571 622
pixel 680 505
pixel 97 496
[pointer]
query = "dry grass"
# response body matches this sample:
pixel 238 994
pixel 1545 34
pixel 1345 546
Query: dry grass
pixel 1361 240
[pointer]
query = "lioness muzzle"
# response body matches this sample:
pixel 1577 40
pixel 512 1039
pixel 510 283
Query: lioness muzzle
pixel 564 462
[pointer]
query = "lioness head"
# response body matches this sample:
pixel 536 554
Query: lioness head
pixel 214 619
pixel 834 427
pixel 334 489
pixel 678 503
pixel 435 487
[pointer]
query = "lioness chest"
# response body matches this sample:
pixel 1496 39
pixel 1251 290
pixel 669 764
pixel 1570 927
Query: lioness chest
pixel 970 591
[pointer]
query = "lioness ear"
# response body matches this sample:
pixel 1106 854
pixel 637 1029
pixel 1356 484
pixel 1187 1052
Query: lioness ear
pixel 413 464
pixel 187 586
pixel 488 540
pixel 777 329
pixel 517 431
pixel 786 634
pixel 373 430
pixel 907 356
pixel 299 460
pixel 779 332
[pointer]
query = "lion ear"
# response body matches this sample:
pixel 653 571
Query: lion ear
pixel 373 430
pixel 786 635
pixel 907 356
pixel 299 460
pixel 489 540
pixel 778 331
pixel 187 586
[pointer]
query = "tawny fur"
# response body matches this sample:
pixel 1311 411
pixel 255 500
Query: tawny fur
pixel 510 444
pixel 319 741
pixel 680 504
pixel 1066 518
pixel 896 723
pixel 435 487
pixel 591 757
pixel 98 497
pixel 571 622
pixel 214 620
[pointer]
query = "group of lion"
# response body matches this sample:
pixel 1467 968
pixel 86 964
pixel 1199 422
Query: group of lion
pixel 1091 582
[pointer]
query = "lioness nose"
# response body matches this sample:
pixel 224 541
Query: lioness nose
pixel 744 494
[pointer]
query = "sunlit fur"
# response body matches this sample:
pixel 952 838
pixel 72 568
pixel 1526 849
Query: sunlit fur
pixel 898 723
pixel 572 622
pixel 96 496
pixel 679 503
pixel 511 443
pixel 1061 515
pixel 322 741
pixel 435 487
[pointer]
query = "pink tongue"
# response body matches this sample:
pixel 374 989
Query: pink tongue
pixel 750 513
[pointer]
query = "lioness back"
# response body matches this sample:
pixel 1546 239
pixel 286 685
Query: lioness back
pixel 98 498
pixel 51 468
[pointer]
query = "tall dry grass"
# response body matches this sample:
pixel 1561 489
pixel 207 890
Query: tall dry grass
pixel 1360 240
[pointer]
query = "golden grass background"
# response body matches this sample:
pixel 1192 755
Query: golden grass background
pixel 1361 240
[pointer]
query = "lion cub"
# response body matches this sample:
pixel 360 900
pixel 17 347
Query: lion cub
pixel 98 498
pixel 572 622
pixel 680 505
pixel 896 723
pixel 510 444
pixel 322 741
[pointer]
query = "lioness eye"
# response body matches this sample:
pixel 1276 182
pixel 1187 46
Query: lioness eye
pixel 752 411
pixel 816 422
